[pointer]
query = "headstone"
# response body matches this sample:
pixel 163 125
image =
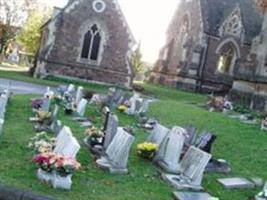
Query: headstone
pixel 117 153
pixel 118 96
pixel 158 134
pixel 191 196
pixel 138 105
pixel 79 95
pixel 105 116
pixel 45 105
pixel 168 156
pixel 236 183
pixel 132 102
pixel 66 144
pixel 145 106
pixel 1 125
pixel 191 170
pixel 58 127
pixel 81 108
pixel 111 130
pixel 190 136
pixel 205 141
pixel 71 88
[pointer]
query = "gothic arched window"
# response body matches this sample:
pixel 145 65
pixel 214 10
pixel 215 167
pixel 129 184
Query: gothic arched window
pixel 227 59
pixel 91 43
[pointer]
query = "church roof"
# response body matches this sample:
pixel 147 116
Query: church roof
pixel 216 11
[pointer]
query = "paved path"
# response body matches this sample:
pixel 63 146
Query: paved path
pixel 19 87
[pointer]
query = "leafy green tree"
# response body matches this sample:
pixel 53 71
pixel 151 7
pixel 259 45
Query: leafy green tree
pixel 30 35
pixel 136 60
pixel 12 15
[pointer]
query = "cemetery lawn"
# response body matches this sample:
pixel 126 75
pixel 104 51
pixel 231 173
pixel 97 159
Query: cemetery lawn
pixel 244 146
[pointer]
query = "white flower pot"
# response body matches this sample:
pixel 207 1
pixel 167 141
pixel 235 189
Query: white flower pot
pixel 59 182
pixel 45 176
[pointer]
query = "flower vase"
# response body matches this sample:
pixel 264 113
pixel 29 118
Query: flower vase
pixel 45 176
pixel 61 182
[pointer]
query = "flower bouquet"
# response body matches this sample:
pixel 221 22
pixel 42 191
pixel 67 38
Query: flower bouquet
pixel 43 116
pixel 66 166
pixel 147 150
pixel 45 161
pixel 58 99
pixel 94 136
pixel 42 143
pixel 37 104
pixel 216 103
pixel 70 107
pixel 56 169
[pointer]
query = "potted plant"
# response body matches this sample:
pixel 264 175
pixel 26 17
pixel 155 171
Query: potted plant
pixel 147 150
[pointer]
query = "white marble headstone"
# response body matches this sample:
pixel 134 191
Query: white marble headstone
pixel 79 94
pixel 66 144
pixel 81 107
pixel 168 156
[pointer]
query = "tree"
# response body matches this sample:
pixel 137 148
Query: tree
pixel 136 60
pixel 12 16
pixel 30 35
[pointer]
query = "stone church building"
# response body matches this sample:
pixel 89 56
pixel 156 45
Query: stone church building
pixel 217 46
pixel 88 40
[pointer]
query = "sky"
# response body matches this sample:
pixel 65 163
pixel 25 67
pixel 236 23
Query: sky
pixel 148 20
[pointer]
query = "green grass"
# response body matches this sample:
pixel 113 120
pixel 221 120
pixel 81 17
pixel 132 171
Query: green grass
pixel 50 81
pixel 244 146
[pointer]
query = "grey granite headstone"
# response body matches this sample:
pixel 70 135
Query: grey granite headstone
pixel 190 136
pixel 105 116
pixel 168 157
pixel 111 131
pixel 236 183
pixel 117 153
pixel 191 196
pixel 138 105
pixel 192 169
pixel 158 134
pixel 45 105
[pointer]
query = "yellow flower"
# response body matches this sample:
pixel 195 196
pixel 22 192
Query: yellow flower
pixel 122 108
pixel 146 146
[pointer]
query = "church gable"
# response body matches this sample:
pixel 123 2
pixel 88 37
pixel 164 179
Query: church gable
pixel 90 35
pixel 233 24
